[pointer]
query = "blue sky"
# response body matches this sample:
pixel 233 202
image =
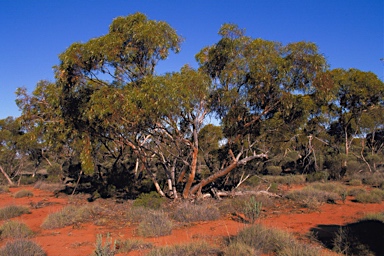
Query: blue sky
pixel 33 33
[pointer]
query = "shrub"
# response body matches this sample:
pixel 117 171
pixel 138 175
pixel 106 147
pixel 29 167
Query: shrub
pixel 374 216
pixel 155 224
pixel 274 170
pixel 52 187
pixel 336 188
pixel 14 229
pixel 188 212
pixel 368 197
pixel 4 189
pixel 263 239
pixel 23 193
pixel 22 247
pixel 355 182
pixel 268 240
pixel 240 249
pixel 12 211
pixel 136 214
pixel 106 249
pixel 150 200
pixel 252 209
pixel 312 198
pixel 190 249
pixel 132 245
pixel 318 176
pixel 286 179
pixel 69 215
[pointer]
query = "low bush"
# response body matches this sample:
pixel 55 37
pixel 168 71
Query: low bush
pixel 150 200
pixel 4 189
pixel 129 245
pixel 317 176
pixel 368 197
pixel 336 188
pixel 374 216
pixel 268 240
pixel 252 209
pixel 23 193
pixel 190 249
pixel 12 211
pixel 108 248
pixel 312 198
pixel 355 182
pixel 240 249
pixel 190 212
pixel 15 229
pixel 69 215
pixel 136 214
pixel 155 223
pixel 22 247
pixel 286 179
pixel 52 187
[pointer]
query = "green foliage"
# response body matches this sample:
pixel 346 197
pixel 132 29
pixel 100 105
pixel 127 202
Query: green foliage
pixel 69 215
pixel 15 229
pixel 22 247
pixel 318 176
pixel 23 193
pixel 311 197
pixel 374 216
pixel 368 197
pixel 12 211
pixel 189 249
pixel 125 246
pixel 274 170
pixel 286 179
pixel 106 249
pixel 193 212
pixel 150 200
pixel 4 189
pixel 155 224
pixel 268 240
pixel 252 209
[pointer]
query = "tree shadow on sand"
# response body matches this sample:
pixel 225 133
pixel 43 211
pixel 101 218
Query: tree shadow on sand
pixel 365 237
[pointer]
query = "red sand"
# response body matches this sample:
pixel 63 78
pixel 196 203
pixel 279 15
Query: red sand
pixel 80 239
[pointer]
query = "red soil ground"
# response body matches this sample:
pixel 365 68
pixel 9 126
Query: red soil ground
pixel 80 239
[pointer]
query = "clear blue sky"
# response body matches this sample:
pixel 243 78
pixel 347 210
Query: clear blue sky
pixel 34 32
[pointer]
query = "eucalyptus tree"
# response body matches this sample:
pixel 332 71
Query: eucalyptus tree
pixel 351 102
pixel 100 87
pixel 254 81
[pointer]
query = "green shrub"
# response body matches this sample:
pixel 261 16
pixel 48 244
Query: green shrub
pixel 22 247
pixel 252 181
pixel 69 215
pixel 240 249
pixel 188 212
pixel 286 179
pixel 15 229
pixel 274 170
pixel 4 189
pixel 356 191
pixel 336 188
pixel 268 241
pixel 150 200
pixel 28 180
pixel 12 211
pixel 106 249
pixel 368 197
pixel 129 245
pixel 252 209
pixel 52 187
pixel 318 176
pixel 23 193
pixel 312 198
pixel 136 214
pixel 190 249
pixel 374 216
pixel 355 182
pixel 155 224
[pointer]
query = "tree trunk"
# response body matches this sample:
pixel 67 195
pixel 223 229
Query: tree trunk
pixel 225 171
pixel 192 174
pixel 6 176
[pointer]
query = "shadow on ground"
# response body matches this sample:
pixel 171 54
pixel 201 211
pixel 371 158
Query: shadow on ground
pixel 360 238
